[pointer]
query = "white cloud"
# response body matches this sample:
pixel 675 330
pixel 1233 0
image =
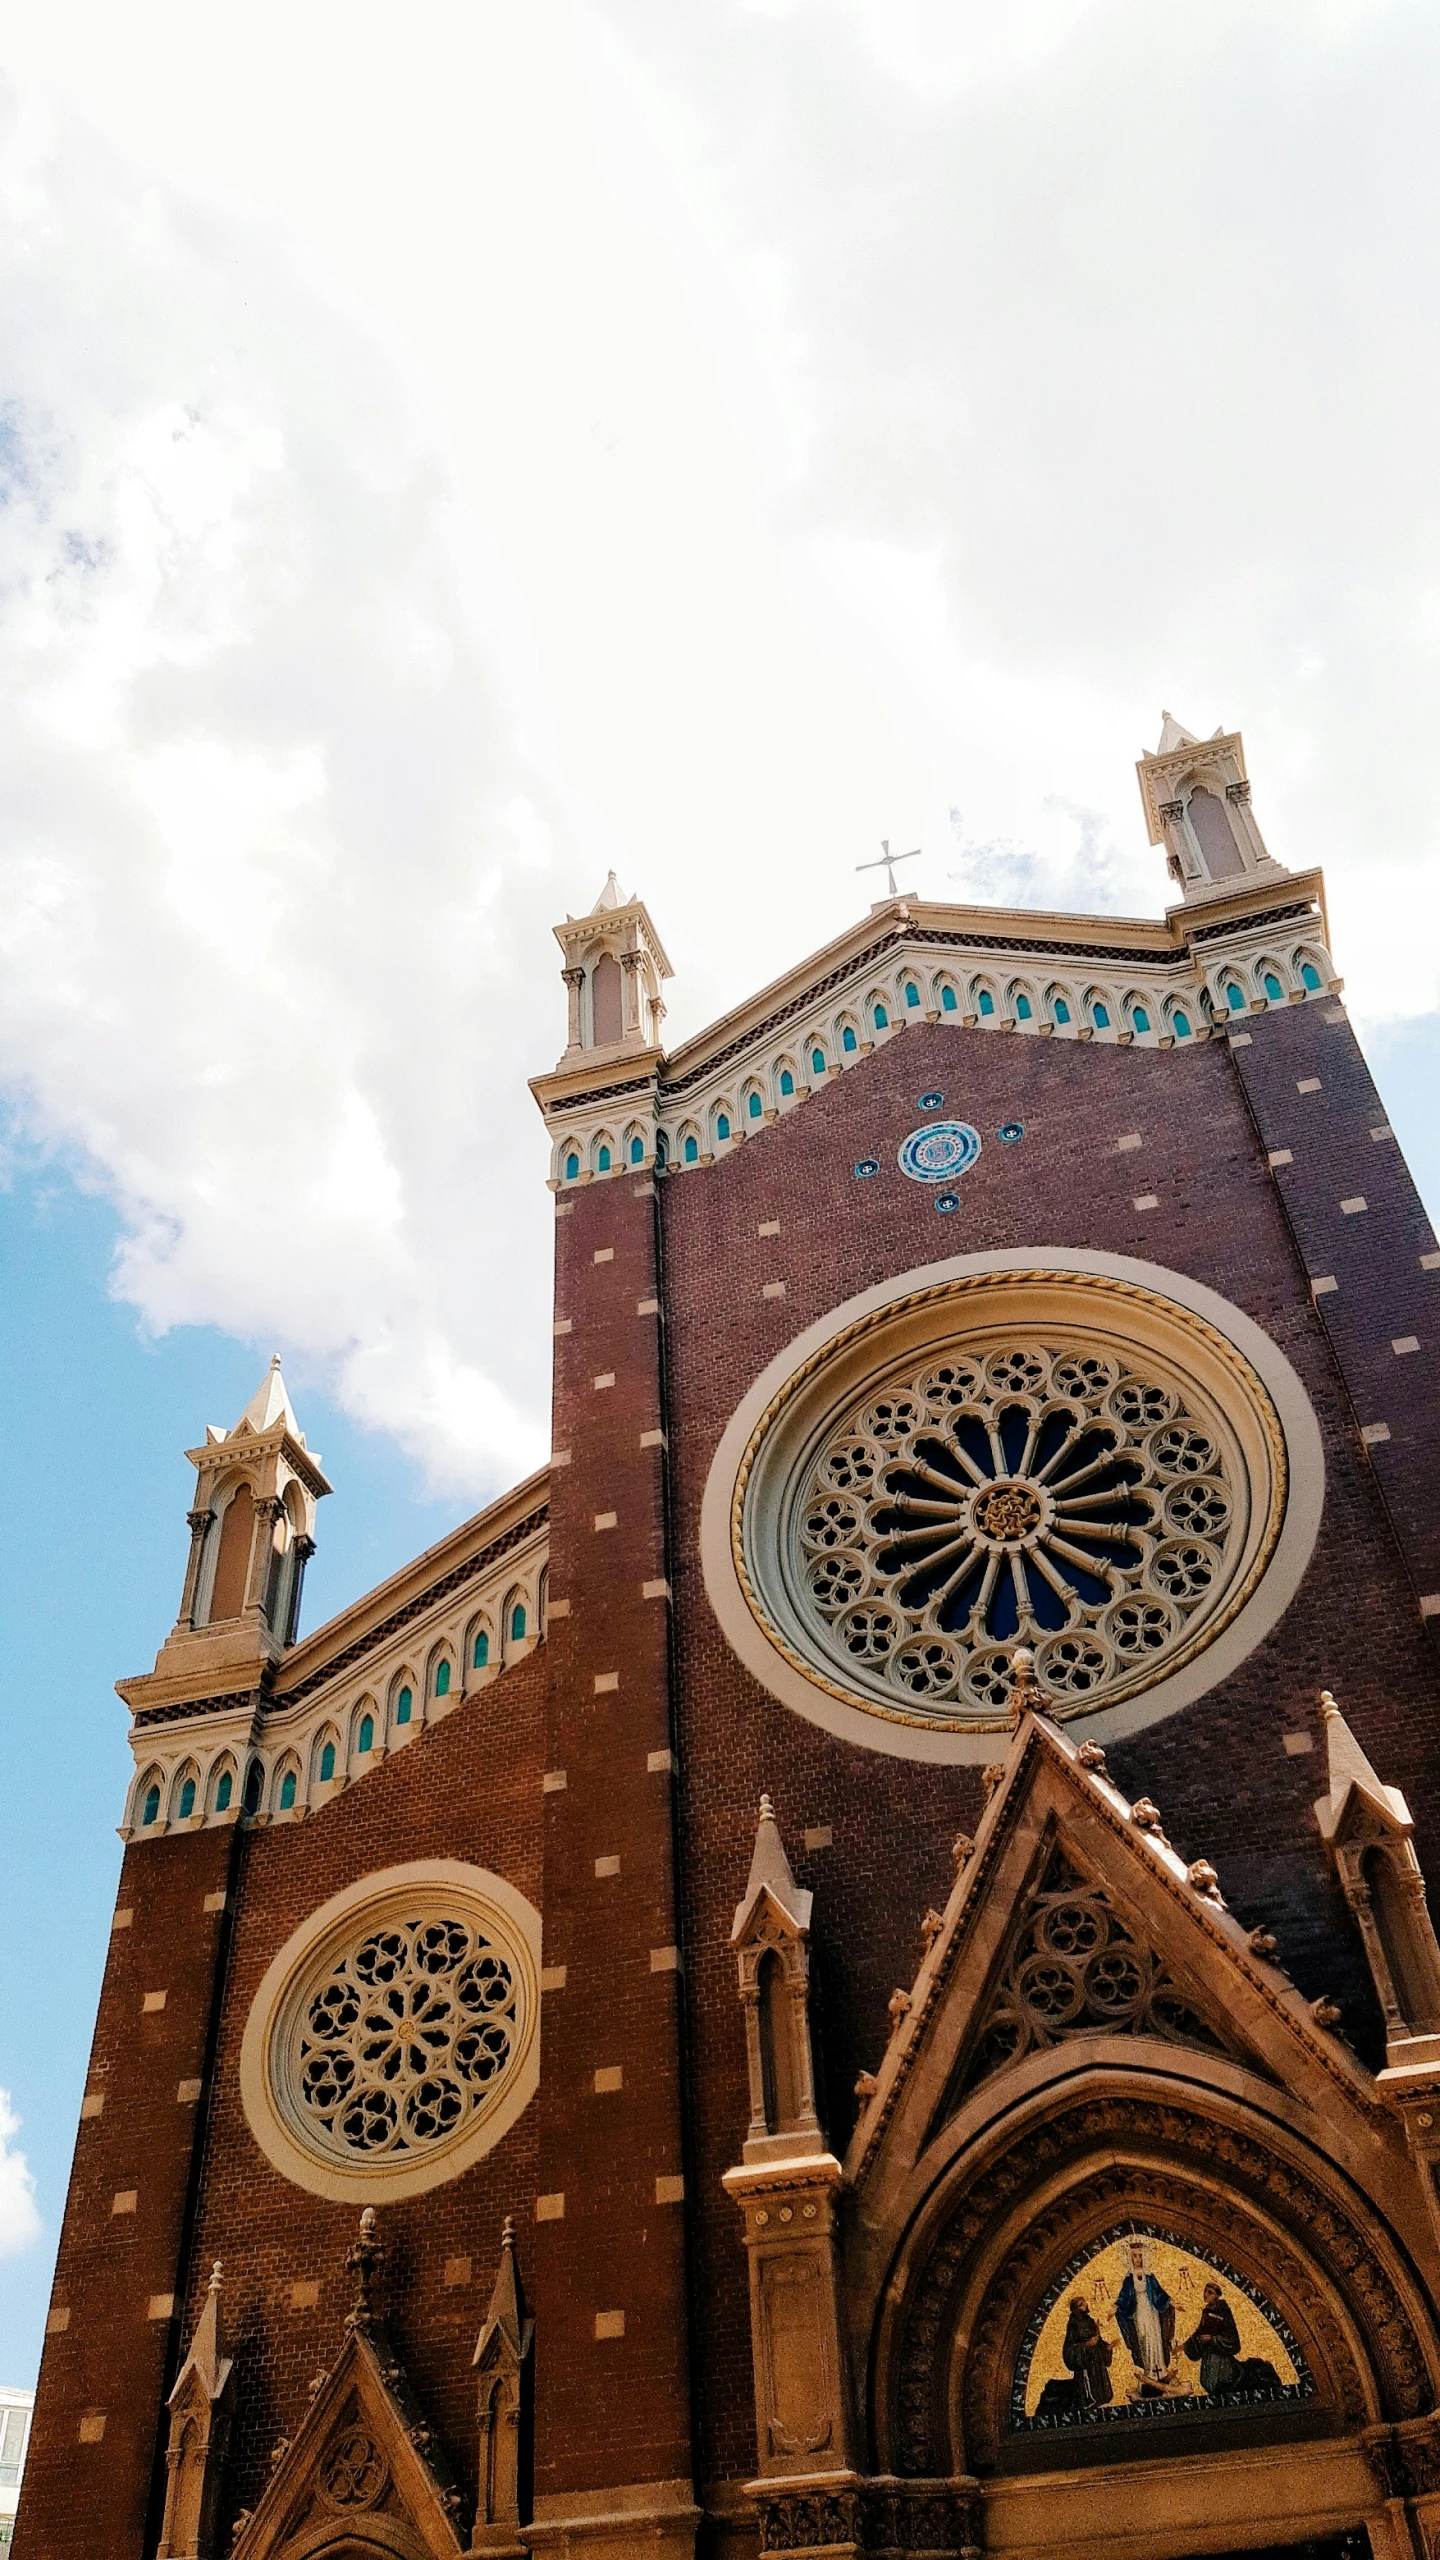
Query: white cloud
pixel 703 440
pixel 19 2220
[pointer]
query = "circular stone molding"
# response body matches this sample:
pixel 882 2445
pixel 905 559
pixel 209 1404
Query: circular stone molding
pixel 396 2036
pixel 1089 1454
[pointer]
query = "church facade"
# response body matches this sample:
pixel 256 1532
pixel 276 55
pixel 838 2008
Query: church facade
pixel 846 1969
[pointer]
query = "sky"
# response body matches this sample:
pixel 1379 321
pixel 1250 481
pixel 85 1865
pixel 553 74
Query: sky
pixel 446 453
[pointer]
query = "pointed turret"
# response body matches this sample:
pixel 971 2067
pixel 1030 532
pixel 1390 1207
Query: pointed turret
pixel 1197 804
pixel 270 1404
pixel 502 2363
pixel 615 966
pixel 506 2319
pixel 207 2366
pixel 199 2426
pixel 770 1872
pixel 1350 1773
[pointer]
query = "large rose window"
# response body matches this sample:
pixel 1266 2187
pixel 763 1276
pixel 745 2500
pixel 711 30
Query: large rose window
pixel 1101 1482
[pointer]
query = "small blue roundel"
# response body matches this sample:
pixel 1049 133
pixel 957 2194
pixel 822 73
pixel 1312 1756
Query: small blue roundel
pixel 945 1202
pixel 864 1169
pixel 1012 1133
pixel 940 1152
pixel 930 1101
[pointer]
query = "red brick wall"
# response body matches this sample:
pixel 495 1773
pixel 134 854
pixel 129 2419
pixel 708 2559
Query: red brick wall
pixel 1338 1140
pixel 1225 1784
pixel 111 2358
pixel 612 2409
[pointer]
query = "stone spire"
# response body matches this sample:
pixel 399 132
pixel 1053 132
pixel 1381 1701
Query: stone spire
pixel 770 1873
pixel 206 2367
pixel 506 2319
pixel 1350 1773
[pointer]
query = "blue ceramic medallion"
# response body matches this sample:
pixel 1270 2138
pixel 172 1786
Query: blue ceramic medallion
pixel 940 1152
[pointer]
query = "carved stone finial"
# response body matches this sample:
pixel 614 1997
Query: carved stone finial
pixel 900 2005
pixel 1025 1689
pixel 1091 1756
pixel 1206 1882
pixel 962 1850
pixel 930 1928
pixel 1325 2012
pixel 1328 1706
pixel 767 1809
pixel 990 1778
pixel 362 2260
pixel 214 2284
pixel 866 2086
pixel 1146 1817
pixel 1261 1942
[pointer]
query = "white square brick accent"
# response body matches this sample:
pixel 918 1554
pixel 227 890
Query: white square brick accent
pixel 1295 1745
pixel 773 1289
pixel 606 1519
pixel 1148 1200
pixel 1308 1084
pixel 458 2270
pixel 1428 1262
pixel 820 1836
pixel 1334 1013
pixel 92 2426
pixel 554 1782
pixel 1403 1342
pixel 1125 1145
pixel 304 2295
pixel 126 2200
pixel 557 1608
pixel 126 1919
pixel 768 1227
pixel 657 1762
pixel 607 1866
pixel 1374 1432
pixel 1430 1604
pixel 552 1977
pixel 188 2092
pixel 563 1324
pixel 216 1901
pixel 1353 1208
pixel 160 2306
pixel 152 2001
pixel 91 2106
pixel 550 2208
pixel 669 2190
pixel 608 2079
pixel 1384 1132
pixel 1324 1287
pixel 1241 1040
pixel 1279 1155
pixel 606 1680
pixel 605 1379
pixel 609 2324
pixel 664 1959
pixel 654 1590
pixel 647 1306
pixel 559 1457
pixel 603 1253
pixel 57 2323
pixel 653 1440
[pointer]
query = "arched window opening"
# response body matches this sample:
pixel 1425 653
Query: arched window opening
pixel 1234 996
pixel 232 1565
pixel 254 1781
pixel 947 1000
pixel 480 1652
pixel 755 1106
pixel 150 1809
pixel 605 999
pixel 987 1001
pixel 224 1791
pixel 1022 1008
pixel 692 1151
pixel 572 1168
pixel 787 1081
pixel 817 1062
pixel 405 1703
pixel 1182 1026
pixel 287 1792
pixel 602 1161
pixel 912 993
pixel 1102 1017
pixel 637 1150
pixel 1410 1975
pixel 442 1680
pixel 777 2048
pixel 1310 978
pixel 662 1151
pixel 327 1764
pixel 722 1127
pixel 187 1800
pixel 365 1738
pixel 847 1038
pixel 1062 1010
pixel 518 1623
pixel 1140 1018
pixel 1272 987
pixel 882 1018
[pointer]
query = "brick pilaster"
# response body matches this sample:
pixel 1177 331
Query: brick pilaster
pixel 91 2473
pixel 609 2253
pixel 1367 1245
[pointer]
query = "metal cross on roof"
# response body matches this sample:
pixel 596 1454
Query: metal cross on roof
pixel 888 861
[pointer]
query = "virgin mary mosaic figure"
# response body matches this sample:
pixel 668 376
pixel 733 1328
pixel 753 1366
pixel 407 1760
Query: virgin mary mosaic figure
pixel 1145 2318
